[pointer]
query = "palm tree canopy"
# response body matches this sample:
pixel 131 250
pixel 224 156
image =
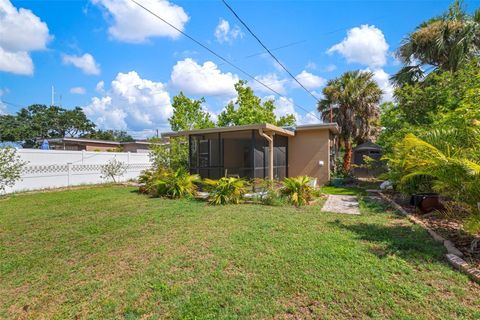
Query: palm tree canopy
pixel 444 42
pixel 354 101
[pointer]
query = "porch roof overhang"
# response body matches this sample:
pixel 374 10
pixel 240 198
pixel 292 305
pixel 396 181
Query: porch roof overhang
pixel 265 127
pixel 332 127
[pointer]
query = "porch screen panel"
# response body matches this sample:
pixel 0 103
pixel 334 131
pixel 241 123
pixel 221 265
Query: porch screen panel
pixel 260 156
pixel 280 157
pixel 238 154
pixel 205 155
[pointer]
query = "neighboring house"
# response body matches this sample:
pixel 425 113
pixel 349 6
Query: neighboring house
pixel 78 144
pixel 262 151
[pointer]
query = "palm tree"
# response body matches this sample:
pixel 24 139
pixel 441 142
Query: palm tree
pixel 443 43
pixel 352 100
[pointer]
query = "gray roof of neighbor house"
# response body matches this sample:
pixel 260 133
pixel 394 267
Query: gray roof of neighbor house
pixel 85 140
pixel 333 127
pixel 367 146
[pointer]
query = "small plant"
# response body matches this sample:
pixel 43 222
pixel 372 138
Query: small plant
pixel 149 177
pixel 176 184
pixel 113 169
pixel 226 190
pixel 298 190
pixel 269 192
pixel 10 168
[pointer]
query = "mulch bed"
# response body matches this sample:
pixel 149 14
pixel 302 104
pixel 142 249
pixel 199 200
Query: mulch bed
pixel 448 227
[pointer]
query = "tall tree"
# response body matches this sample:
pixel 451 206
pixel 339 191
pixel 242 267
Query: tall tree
pixel 445 42
pixel 110 135
pixel 353 99
pixel 188 114
pixel 250 109
pixel 40 121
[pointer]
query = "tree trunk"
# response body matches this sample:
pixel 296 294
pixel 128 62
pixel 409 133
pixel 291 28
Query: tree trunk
pixel 347 158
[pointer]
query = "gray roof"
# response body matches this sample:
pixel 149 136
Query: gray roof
pixel 368 146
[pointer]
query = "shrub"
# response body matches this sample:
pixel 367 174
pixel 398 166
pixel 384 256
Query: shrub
pixel 270 192
pixel 10 168
pixel 112 169
pixel 298 190
pixel 226 190
pixel 149 177
pixel 176 184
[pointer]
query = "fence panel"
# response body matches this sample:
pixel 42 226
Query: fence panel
pixel 47 169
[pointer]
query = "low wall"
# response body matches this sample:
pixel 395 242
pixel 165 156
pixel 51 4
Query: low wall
pixel 47 169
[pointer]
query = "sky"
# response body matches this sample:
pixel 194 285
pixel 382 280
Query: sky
pixel 123 66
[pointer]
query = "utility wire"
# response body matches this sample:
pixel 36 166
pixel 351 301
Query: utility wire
pixel 268 50
pixel 220 57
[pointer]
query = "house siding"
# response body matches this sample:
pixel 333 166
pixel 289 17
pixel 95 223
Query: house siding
pixel 305 150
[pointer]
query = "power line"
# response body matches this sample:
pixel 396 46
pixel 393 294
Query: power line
pixel 220 57
pixel 268 50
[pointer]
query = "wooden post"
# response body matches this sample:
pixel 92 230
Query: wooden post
pixel 270 152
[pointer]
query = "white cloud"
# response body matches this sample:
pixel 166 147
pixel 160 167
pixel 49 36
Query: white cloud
pixel 330 68
pixel 224 33
pixel 193 78
pixel 286 106
pixel 78 90
pixel 311 65
pixel 20 33
pixel 131 23
pixel 382 78
pixel 3 108
pixel 364 45
pixel 132 103
pixel 86 63
pixel 309 80
pixel 100 87
pixel 272 80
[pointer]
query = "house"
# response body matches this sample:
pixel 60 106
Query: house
pixel 78 144
pixel 262 151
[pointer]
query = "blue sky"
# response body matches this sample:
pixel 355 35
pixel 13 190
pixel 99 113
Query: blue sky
pixel 123 66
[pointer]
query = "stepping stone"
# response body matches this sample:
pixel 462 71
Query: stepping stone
pixel 341 204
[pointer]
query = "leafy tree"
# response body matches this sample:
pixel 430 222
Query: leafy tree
pixel 442 100
pixel 354 100
pixel 40 122
pixel 110 135
pixel 188 114
pixel 173 155
pixel 10 168
pixel 445 42
pixel 249 109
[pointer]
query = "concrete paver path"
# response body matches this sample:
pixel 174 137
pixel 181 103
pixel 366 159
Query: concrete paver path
pixel 341 204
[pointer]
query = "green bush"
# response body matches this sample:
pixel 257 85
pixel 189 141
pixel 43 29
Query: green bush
pixel 269 192
pixel 225 190
pixel 298 190
pixel 171 184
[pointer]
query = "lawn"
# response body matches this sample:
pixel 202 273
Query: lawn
pixel 107 252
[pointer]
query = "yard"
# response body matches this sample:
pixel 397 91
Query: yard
pixel 107 252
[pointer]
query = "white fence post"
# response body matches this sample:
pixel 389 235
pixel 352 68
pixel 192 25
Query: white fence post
pixel 69 173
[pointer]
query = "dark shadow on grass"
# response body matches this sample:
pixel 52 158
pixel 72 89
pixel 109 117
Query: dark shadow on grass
pixel 406 241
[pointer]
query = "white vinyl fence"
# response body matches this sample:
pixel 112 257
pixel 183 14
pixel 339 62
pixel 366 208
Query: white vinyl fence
pixel 47 169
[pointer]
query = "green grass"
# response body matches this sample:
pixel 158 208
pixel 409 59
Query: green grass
pixel 109 253
pixel 342 190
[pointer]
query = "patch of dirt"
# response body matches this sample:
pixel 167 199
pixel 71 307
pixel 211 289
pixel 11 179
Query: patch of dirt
pixel 301 307
pixel 451 228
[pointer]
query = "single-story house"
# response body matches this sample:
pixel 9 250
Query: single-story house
pixel 262 151
pixel 78 144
